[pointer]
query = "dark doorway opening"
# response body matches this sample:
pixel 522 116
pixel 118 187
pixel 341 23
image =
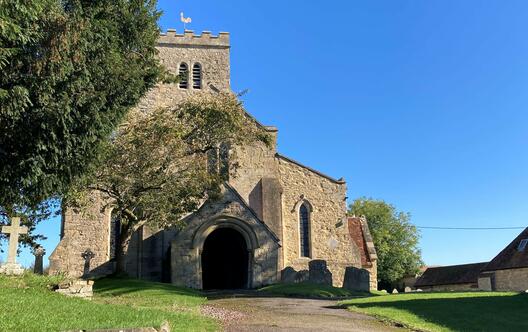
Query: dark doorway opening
pixel 225 260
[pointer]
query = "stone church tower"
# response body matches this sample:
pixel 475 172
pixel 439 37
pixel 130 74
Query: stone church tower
pixel 274 214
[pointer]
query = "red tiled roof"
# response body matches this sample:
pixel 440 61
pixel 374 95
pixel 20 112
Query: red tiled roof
pixel 511 257
pixel 360 234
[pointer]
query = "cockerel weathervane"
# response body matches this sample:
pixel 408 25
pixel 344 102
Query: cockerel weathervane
pixel 184 20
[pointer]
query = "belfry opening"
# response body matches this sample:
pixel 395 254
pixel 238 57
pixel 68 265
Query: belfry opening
pixel 225 260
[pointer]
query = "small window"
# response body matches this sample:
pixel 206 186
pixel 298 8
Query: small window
pixel 115 233
pixel 184 76
pixel 522 245
pixel 304 221
pixel 197 76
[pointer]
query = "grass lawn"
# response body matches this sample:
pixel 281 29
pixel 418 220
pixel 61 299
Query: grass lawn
pixel 308 290
pixel 471 311
pixel 27 305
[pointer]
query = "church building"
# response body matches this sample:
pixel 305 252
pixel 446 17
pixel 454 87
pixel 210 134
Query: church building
pixel 274 214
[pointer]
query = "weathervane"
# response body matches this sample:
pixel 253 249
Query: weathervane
pixel 185 20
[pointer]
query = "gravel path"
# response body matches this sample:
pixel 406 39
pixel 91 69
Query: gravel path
pixel 288 314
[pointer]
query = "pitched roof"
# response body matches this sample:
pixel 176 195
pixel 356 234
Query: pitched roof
pixel 511 257
pixel 448 275
pixel 360 234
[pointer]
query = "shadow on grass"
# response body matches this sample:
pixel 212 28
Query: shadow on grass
pixel 124 286
pixel 475 313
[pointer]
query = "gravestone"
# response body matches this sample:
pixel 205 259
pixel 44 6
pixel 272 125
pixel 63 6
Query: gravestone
pixel 302 276
pixel 288 275
pixel 15 230
pixel 319 273
pixel 356 279
pixel 395 291
pixel 87 255
pixel 408 289
pixel 39 253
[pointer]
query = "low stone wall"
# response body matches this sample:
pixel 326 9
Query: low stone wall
pixel 452 287
pixel 511 280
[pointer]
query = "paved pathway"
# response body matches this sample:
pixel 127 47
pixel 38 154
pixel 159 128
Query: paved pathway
pixel 289 314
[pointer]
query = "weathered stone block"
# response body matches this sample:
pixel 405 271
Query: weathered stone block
pixel 319 273
pixel 356 279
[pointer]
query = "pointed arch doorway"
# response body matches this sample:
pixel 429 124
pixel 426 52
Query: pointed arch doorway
pixel 225 260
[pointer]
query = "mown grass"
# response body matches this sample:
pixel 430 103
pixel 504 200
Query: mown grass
pixel 26 304
pixel 308 290
pixel 470 311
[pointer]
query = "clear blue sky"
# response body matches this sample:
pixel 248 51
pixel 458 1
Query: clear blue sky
pixel 420 103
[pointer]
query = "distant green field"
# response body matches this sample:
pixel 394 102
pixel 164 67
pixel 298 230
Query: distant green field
pixel 308 290
pixel 27 305
pixel 472 311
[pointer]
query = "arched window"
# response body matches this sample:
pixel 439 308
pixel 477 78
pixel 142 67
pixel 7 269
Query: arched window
pixel 197 76
pixel 184 76
pixel 304 224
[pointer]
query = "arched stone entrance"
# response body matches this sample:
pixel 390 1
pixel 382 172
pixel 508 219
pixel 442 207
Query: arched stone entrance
pixel 225 260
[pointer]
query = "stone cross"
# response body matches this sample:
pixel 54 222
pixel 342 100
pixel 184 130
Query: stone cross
pixel 14 231
pixel 87 255
pixel 39 253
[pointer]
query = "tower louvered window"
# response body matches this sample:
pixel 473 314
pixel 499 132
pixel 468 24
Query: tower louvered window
pixel 304 216
pixel 184 76
pixel 197 76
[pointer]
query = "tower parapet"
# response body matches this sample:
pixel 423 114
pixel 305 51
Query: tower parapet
pixel 189 38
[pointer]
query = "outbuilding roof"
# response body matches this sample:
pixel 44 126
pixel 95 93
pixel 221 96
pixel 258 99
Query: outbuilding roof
pixel 514 256
pixel 450 275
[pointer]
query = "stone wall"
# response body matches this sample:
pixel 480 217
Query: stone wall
pixel 211 52
pixel 511 280
pixel 84 230
pixel 329 236
pixel 448 288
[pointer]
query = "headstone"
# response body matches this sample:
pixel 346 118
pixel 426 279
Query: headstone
pixel 408 289
pixel 302 276
pixel 15 230
pixel 319 273
pixel 357 280
pixel 87 255
pixel 395 291
pixel 39 253
pixel 288 275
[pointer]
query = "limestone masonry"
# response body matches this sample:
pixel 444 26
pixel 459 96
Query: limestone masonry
pixel 275 214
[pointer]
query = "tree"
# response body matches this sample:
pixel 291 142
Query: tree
pixel 395 238
pixel 70 72
pixel 155 169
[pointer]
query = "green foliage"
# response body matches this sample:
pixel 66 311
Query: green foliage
pixel 26 304
pixel 155 168
pixel 308 290
pixel 70 71
pixel 471 311
pixel 395 238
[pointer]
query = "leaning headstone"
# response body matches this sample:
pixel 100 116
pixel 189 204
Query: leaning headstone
pixel 395 291
pixel 15 230
pixel 319 273
pixel 87 255
pixel 39 253
pixel 288 275
pixel 357 280
pixel 408 289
